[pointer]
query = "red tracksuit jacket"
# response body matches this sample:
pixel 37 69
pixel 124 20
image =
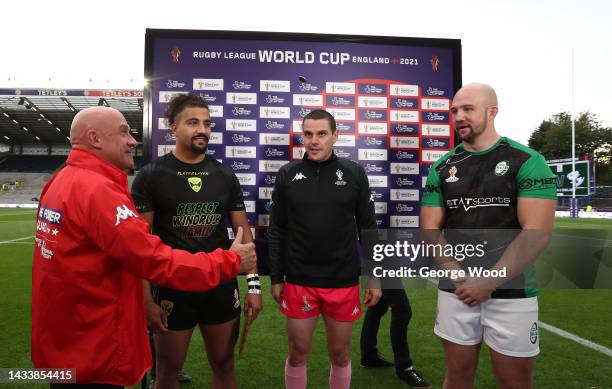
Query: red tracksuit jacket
pixel 91 253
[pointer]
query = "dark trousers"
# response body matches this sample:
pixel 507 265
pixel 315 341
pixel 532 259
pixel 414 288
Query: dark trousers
pixel 401 313
pixel 85 386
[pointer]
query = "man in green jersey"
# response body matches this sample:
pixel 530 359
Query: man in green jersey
pixel 489 182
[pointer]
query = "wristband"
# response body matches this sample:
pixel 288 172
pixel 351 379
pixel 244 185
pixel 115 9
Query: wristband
pixel 253 283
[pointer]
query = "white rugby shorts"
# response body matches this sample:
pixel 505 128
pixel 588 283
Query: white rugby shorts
pixel 508 326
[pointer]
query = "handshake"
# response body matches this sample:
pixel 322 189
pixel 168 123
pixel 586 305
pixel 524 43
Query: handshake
pixel 248 257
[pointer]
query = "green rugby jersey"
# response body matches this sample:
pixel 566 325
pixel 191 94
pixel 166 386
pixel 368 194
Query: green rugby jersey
pixel 479 190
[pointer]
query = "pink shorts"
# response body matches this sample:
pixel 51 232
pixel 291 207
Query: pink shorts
pixel 303 302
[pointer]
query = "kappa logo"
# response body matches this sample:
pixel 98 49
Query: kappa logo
pixel 299 176
pixel 195 183
pixel 123 212
pixel 452 173
pixel 237 299
pixel 355 311
pixel 307 307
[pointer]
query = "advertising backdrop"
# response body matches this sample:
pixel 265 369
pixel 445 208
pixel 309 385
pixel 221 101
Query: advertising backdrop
pixel 390 96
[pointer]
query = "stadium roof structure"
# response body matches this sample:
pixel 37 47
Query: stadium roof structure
pixel 43 116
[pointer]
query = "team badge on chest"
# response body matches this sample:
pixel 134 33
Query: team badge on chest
pixel 502 168
pixel 452 178
pixel 195 183
pixel 340 181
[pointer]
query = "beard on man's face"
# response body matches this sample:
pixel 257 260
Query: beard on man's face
pixel 199 149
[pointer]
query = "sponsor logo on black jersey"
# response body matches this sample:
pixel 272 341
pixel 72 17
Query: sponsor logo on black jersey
pixel 477 202
pixel 537 183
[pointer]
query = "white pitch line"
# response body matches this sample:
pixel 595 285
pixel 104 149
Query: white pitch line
pixel 16 240
pixel 577 339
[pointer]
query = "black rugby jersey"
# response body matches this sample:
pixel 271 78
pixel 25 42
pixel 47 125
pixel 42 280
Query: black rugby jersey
pixel 479 190
pixel 190 201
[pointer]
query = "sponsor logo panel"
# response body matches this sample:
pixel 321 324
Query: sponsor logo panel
pixel 274 112
pixel 372 141
pixel 164 149
pixel 372 102
pixel 429 129
pixel 404 103
pixel 340 88
pixel 274 139
pixel 404 116
pixel 370 128
pixel 404 128
pixel 428 156
pixel 208 84
pixel 403 90
pixel 434 116
pixel 403 155
pixel 404 142
pixel 404 168
pixel 241 85
pixel 403 221
pixel 308 100
pixel 240 125
pixel 434 91
pixel 274 152
pixel 241 98
pixel 371 114
pixel 375 166
pixel 216 138
pixel 265 193
pixel 273 125
pixel 346 140
pixel 340 101
pixel 240 152
pixel 216 111
pixel 271 166
pixel 243 166
pixel 166 96
pixel 342 113
pixel 249 179
pixel 162 124
pixel 241 139
pixel 378 181
pixel 298 152
pixel 380 208
pixel 372 89
pixel 272 99
pixel 435 104
pixel 274 86
pixel 435 143
pixel 372 154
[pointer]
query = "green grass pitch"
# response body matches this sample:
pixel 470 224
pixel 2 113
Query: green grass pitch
pixel 562 363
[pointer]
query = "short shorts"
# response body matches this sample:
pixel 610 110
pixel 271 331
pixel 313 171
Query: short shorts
pixel 185 310
pixel 302 302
